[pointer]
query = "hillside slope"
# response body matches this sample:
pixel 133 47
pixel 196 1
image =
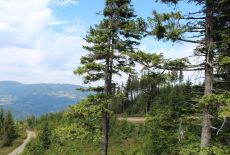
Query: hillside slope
pixel 37 99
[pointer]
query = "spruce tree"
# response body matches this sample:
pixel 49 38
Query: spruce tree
pixel 9 130
pixel 31 121
pixel 118 33
pixel 221 37
pixel 149 84
pixel 45 136
pixel 1 116
pixel 1 122
pixel 202 27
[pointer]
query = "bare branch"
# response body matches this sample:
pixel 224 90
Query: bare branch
pixel 188 18
pixel 212 127
pixel 189 41
pixel 221 126
pixel 219 81
pixel 193 13
pixel 195 31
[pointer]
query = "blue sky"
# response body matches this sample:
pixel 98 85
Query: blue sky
pixel 41 40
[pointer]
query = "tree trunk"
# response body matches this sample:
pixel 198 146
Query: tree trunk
pixel 107 92
pixel 206 132
pixel 105 130
pixel 148 104
pixel 131 96
pixel 105 115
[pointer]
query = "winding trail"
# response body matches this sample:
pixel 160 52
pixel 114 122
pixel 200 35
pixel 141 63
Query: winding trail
pixel 18 150
pixel 132 119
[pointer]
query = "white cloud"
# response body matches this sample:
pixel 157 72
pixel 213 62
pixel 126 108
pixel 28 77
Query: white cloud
pixel 22 20
pixel 30 50
pixel 20 56
pixel 61 50
pixel 65 2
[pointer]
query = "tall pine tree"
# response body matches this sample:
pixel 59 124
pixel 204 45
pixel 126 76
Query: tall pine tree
pixel 9 130
pixel 45 136
pixel 1 122
pixel 118 33
pixel 202 27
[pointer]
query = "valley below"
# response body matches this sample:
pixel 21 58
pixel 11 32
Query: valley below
pixel 37 99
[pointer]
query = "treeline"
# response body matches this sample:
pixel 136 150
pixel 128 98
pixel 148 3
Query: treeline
pixel 113 49
pixel 182 117
pixel 173 112
pixel 173 123
pixel 8 131
pixel 56 135
pixel 139 93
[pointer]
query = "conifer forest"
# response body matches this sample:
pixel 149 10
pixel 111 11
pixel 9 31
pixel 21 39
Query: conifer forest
pixel 142 102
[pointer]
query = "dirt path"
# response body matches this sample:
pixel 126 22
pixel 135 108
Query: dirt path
pixel 133 119
pixel 18 150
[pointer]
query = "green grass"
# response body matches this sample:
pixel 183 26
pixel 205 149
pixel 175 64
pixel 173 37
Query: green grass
pixel 128 146
pixel 125 139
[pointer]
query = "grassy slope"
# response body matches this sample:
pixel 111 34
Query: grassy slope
pixel 125 139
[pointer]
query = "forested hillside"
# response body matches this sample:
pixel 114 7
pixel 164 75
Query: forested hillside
pixel 173 124
pixel 37 99
pixel 181 116
pixel 12 134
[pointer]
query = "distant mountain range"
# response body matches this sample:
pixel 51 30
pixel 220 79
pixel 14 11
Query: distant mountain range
pixel 37 99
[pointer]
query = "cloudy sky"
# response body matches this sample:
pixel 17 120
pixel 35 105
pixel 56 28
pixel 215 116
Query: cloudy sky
pixel 41 40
